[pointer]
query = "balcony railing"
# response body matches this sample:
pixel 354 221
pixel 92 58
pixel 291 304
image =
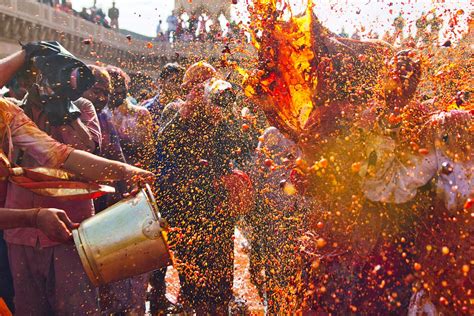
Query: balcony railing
pixel 29 20
pixel 37 13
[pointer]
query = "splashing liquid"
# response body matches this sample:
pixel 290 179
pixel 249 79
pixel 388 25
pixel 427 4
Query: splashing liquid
pixel 285 55
pixel 303 71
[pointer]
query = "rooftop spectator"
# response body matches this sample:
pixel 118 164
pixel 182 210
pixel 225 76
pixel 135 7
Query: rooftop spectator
pixel 114 15
pixel 172 22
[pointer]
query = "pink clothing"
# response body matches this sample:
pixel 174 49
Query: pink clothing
pixel 16 129
pixel 133 123
pixel 90 119
pixel 21 198
pixel 51 281
pixel 134 127
pixel 19 130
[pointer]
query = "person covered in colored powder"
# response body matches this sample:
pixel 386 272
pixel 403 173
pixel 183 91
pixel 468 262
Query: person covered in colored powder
pixel 49 103
pixel 199 191
pixel 18 131
pixel 133 123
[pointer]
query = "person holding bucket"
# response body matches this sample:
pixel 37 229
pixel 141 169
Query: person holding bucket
pixel 17 130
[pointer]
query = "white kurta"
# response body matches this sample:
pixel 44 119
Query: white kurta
pixel 389 178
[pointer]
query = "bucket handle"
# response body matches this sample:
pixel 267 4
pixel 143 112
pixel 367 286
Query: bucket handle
pixel 151 199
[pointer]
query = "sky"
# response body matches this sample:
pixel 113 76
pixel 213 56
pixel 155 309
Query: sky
pixel 142 16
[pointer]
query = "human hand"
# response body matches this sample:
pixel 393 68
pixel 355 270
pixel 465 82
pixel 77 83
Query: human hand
pixel 54 223
pixel 135 176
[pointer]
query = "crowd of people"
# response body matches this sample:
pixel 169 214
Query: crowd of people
pixel 93 14
pixel 180 26
pixel 367 208
pixel 98 16
pixel 41 269
pixel 197 25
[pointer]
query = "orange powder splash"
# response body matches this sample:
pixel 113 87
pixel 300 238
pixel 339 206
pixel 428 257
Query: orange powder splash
pixel 283 85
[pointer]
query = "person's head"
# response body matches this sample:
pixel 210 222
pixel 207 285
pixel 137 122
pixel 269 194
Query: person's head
pixel 194 78
pixel 404 73
pixel 120 83
pixel 217 101
pixel 220 95
pixel 170 79
pixel 56 76
pixel 99 93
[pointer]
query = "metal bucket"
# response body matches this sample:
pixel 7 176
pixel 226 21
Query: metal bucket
pixel 124 240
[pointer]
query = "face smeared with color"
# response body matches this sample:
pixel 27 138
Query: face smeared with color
pixel 119 90
pixel 403 76
pixel 98 95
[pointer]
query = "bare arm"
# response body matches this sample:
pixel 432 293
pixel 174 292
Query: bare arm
pixel 100 169
pixel 53 222
pixel 13 218
pixel 48 152
pixel 10 65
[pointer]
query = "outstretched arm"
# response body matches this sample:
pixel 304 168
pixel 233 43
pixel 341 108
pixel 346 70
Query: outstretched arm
pixel 10 65
pixel 97 168
pixel 50 153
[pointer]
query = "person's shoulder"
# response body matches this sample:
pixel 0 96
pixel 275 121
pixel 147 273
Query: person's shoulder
pixel 9 111
pixel 83 103
pixel 175 105
pixel 10 105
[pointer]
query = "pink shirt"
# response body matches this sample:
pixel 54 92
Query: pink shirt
pixel 17 130
pixel 134 127
pixel 21 198
pixel 90 119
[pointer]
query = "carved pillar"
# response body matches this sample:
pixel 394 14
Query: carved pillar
pixel 16 26
pixel 7 23
pixel 33 33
